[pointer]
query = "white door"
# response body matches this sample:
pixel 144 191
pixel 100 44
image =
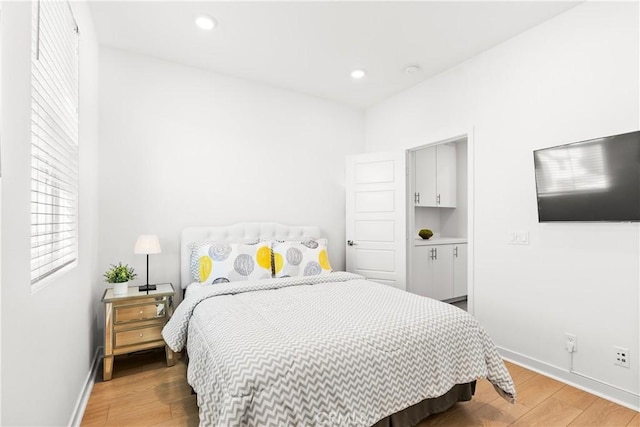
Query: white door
pixel 376 218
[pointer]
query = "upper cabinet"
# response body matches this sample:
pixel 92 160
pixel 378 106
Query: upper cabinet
pixel 435 176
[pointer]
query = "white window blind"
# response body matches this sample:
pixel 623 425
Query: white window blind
pixel 54 139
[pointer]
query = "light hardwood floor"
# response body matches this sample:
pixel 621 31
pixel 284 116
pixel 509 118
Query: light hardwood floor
pixel 145 392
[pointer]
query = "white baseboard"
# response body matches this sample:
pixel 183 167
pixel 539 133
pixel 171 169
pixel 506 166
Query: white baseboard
pixel 83 399
pixel 615 394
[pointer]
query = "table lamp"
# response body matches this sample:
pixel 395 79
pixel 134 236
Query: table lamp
pixel 147 244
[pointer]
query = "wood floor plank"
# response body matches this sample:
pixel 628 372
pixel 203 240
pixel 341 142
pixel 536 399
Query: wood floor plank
pixel 142 417
pixel 154 365
pixel 98 404
pixel 602 413
pixel 184 421
pixel 519 374
pixel 575 397
pixel 185 407
pixel 458 415
pixel 95 415
pixel 499 412
pixel 536 390
pixel 485 392
pixel 550 412
pixel 635 422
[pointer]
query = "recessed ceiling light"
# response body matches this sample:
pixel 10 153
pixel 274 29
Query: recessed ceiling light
pixel 358 74
pixel 412 69
pixel 206 22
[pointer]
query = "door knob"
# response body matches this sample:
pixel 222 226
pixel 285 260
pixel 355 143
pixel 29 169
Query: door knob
pixel 351 243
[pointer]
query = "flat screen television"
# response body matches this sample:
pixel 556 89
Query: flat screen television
pixel 588 181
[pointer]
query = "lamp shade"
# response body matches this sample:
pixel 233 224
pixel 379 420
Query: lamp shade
pixel 147 244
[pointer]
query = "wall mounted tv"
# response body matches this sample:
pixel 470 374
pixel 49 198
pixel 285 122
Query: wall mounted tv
pixel 588 181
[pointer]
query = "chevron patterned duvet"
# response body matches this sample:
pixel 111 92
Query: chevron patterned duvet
pixel 328 350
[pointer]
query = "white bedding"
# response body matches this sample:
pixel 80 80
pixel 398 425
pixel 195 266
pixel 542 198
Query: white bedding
pixel 333 349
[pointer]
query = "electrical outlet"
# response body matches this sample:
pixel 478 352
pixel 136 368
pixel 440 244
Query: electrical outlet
pixel 621 357
pixel 571 343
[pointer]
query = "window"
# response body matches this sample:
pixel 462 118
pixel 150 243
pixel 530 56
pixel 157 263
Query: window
pixel 54 140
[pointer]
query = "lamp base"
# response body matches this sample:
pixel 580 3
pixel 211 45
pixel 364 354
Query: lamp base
pixel 147 288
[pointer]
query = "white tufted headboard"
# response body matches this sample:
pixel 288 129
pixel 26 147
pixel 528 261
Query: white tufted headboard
pixel 238 233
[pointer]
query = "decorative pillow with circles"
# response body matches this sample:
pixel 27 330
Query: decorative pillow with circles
pixel 194 249
pixel 221 262
pixel 300 258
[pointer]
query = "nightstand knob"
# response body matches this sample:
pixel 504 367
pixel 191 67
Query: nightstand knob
pixel 140 335
pixel 140 311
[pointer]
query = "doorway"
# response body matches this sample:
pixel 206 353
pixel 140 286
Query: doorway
pixel 440 198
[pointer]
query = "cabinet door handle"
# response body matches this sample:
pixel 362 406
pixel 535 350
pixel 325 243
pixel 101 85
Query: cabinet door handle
pixel 418 197
pixel 455 252
pixel 438 200
pixel 351 243
pixel 435 253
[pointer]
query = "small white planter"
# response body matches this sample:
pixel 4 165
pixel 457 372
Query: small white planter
pixel 120 288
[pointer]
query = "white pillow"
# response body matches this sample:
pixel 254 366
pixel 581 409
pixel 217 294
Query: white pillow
pixel 221 262
pixel 300 258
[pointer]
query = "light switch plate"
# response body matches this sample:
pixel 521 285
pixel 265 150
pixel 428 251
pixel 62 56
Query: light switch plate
pixel 519 237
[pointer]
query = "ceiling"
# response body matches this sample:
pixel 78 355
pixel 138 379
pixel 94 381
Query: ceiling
pixel 311 47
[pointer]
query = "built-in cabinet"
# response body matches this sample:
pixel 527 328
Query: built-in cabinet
pixel 439 270
pixel 438 184
pixel 435 176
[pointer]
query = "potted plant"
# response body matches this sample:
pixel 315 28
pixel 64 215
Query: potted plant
pixel 120 275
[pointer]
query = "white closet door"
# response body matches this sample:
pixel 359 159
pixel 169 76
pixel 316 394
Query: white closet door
pixel 441 261
pixel 446 175
pixel 425 177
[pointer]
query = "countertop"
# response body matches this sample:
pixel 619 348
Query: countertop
pixel 419 241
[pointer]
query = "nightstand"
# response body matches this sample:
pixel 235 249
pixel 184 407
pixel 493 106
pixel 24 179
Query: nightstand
pixel 134 322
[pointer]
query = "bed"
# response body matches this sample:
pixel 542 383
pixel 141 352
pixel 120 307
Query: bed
pixel 325 349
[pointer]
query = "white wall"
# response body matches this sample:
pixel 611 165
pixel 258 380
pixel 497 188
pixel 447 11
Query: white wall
pixel 0 212
pixel 48 339
pixel 181 147
pixel 572 78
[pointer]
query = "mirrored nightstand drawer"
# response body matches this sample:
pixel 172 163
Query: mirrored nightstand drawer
pixel 140 312
pixel 138 336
